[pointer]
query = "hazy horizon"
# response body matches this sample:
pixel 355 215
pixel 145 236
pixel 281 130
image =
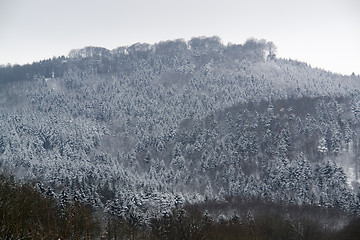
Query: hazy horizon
pixel 324 34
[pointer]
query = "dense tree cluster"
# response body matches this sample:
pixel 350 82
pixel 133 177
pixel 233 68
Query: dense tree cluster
pixel 143 129
pixel 26 212
pixel 30 211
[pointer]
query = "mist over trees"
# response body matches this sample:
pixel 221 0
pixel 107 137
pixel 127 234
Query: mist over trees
pixel 139 132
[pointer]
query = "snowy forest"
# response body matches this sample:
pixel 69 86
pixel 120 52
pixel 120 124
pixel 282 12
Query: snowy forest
pixel 180 140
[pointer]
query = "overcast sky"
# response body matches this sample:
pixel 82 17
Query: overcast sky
pixel 323 33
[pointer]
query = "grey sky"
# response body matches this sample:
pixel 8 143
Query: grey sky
pixel 324 33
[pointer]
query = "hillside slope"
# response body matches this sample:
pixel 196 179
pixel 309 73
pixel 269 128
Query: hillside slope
pixel 144 128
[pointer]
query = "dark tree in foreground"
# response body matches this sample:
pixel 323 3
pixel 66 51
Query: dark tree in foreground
pixel 25 213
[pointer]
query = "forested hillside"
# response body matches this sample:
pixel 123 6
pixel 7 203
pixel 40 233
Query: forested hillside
pixel 139 130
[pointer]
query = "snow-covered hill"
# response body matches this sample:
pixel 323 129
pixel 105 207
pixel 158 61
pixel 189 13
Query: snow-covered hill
pixel 144 128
